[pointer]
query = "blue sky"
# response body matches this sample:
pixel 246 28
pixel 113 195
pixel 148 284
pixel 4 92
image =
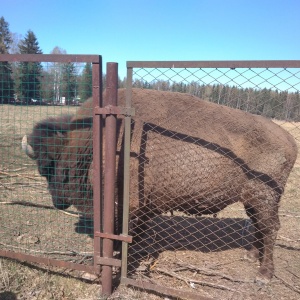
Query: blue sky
pixel 122 30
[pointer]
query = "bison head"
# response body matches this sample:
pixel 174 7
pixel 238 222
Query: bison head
pixel 62 149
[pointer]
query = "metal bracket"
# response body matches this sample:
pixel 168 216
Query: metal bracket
pixel 114 110
pixel 105 261
pixel 121 237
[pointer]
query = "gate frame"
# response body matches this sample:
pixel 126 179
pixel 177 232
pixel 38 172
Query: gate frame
pixel 96 61
pixel 130 65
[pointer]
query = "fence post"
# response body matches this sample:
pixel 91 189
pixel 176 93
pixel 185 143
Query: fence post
pixel 97 160
pixel 126 175
pixel 109 172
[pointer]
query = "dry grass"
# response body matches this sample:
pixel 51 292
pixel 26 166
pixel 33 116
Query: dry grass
pixel 38 229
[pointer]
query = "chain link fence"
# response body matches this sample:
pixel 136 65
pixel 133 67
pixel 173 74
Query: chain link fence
pixel 213 151
pixel 199 156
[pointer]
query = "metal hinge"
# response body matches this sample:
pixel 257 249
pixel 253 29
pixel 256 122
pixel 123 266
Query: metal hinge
pixel 106 261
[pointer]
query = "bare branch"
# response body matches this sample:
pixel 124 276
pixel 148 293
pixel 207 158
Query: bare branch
pixel 207 272
pixel 26 203
pixel 189 281
pixel 288 284
pixel 71 252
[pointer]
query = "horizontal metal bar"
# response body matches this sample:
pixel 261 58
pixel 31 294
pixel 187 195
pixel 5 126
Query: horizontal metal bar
pixel 62 58
pixel 114 110
pixel 49 261
pixel 216 64
pixel 163 290
pixel 106 261
pixel 123 238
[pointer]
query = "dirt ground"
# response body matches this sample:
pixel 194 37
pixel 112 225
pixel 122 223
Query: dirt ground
pixel 209 265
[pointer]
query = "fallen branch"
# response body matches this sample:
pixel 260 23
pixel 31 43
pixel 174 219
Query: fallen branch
pixel 281 237
pixel 209 273
pixel 21 185
pixel 293 274
pixel 26 203
pixel 288 284
pixel 70 253
pixel 173 274
pixel 288 214
pixel 190 282
pixel 35 184
pixel 15 170
pixel 7 188
pixel 19 175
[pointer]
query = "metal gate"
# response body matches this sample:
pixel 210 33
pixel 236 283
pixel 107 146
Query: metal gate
pixel 41 103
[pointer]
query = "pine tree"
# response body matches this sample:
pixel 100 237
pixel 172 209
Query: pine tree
pixel 69 84
pixel 86 87
pixel 30 73
pixel 6 81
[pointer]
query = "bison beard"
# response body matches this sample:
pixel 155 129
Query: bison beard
pixel 186 154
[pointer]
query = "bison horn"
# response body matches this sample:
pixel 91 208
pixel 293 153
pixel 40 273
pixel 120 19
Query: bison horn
pixel 27 148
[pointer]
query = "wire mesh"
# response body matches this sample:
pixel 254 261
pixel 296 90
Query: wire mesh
pixel 40 100
pixel 213 151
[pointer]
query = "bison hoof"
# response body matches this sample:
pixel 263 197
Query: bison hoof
pixel 262 280
pixel 264 276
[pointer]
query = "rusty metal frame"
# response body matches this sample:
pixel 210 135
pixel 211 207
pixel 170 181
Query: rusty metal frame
pixel 109 112
pixel 216 64
pixel 63 58
pixel 96 61
pixel 172 64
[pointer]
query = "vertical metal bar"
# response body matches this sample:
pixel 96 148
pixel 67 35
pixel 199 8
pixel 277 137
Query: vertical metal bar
pixel 110 173
pixel 126 174
pixel 97 158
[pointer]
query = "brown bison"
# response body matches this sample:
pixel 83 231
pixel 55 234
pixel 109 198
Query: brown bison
pixel 186 154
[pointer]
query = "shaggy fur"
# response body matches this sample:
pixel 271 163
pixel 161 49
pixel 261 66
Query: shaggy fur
pixel 186 154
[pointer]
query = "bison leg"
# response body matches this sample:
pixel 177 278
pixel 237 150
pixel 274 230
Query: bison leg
pixel 254 253
pixel 266 223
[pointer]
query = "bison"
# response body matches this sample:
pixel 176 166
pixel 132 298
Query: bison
pixel 186 154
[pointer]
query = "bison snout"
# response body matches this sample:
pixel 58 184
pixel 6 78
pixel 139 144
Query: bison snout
pixel 61 205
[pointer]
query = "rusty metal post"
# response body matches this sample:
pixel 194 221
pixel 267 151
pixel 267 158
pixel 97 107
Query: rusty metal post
pixel 126 175
pixel 97 159
pixel 110 137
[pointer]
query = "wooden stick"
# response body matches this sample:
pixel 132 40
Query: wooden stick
pixel 19 175
pixel 189 281
pixel 72 252
pixel 281 237
pixel 287 284
pixel 26 203
pixel 211 273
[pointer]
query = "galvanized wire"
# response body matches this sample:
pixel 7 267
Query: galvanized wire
pixel 187 160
